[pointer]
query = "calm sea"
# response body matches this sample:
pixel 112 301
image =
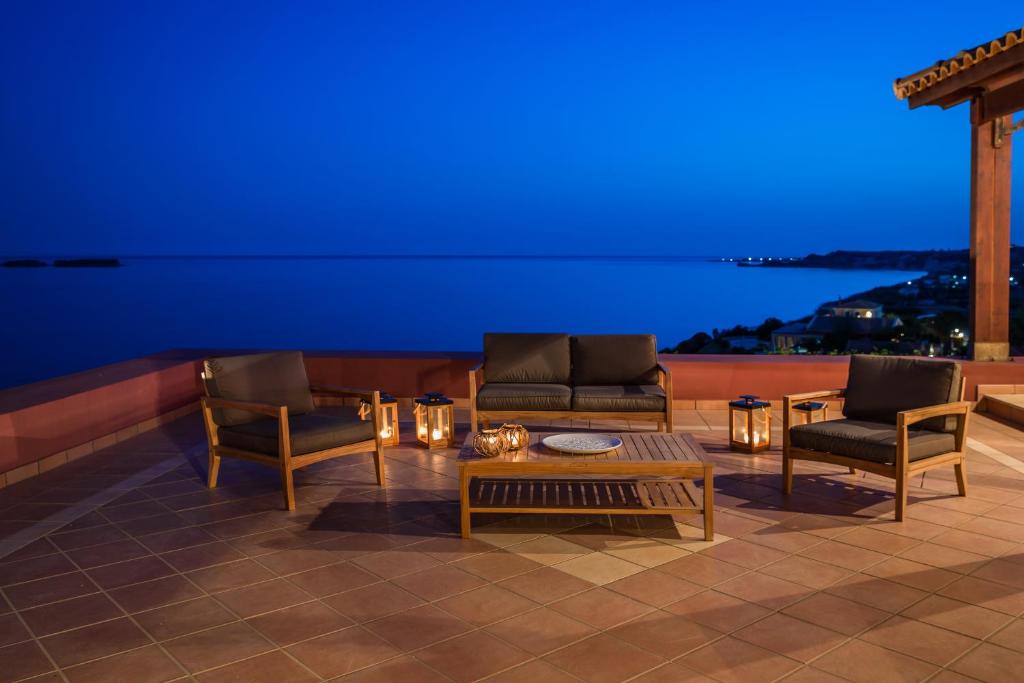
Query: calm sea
pixel 61 320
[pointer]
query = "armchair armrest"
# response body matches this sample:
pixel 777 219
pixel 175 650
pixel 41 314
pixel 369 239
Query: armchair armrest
pixel 905 418
pixel 789 400
pixel 212 403
pixel 960 410
pixel 476 374
pixel 349 392
pixel 811 395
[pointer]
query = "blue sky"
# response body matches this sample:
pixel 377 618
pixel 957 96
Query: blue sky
pixel 679 128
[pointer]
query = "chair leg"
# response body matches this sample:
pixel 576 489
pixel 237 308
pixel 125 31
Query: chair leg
pixel 288 484
pixel 901 496
pixel 378 464
pixel 787 474
pixel 961 477
pixel 213 470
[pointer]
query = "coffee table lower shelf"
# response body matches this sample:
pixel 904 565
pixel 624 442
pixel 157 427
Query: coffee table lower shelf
pixel 513 495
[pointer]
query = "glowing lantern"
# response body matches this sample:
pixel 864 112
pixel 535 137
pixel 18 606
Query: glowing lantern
pixel 750 425
pixel 388 418
pixel 435 421
pixel 809 411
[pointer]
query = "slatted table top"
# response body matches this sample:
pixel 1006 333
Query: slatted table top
pixel 637 447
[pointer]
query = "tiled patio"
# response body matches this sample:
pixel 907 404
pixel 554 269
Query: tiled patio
pixel 145 575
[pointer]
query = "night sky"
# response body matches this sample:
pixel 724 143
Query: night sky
pixel 682 128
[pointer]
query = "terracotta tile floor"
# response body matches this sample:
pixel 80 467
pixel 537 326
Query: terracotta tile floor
pixel 123 566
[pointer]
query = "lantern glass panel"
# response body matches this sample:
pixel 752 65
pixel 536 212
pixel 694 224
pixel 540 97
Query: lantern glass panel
pixel 439 427
pixel 421 423
pixel 759 434
pixel 388 415
pixel 740 428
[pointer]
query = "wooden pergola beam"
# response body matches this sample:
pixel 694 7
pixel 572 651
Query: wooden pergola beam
pixel 969 82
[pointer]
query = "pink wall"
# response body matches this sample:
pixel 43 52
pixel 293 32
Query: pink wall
pixel 41 419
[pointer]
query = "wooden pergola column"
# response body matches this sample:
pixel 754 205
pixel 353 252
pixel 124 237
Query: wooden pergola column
pixel 990 235
pixel 990 77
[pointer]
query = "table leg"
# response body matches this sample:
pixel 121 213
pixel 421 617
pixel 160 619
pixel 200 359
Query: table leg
pixel 709 503
pixel 464 502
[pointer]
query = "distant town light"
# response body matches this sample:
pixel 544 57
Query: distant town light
pixel 868 314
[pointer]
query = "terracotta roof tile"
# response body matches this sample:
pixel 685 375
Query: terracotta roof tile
pixel 965 59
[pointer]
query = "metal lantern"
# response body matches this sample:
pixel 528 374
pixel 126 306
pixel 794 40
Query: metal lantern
pixel 388 418
pixel 516 435
pixel 750 424
pixel 809 411
pixel 435 420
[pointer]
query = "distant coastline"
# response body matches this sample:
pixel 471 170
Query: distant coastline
pixel 931 261
pixel 929 313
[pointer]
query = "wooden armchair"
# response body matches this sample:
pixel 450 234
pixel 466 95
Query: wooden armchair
pixel 262 408
pixel 902 417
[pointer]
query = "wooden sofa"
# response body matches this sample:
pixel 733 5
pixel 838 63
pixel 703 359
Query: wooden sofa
pixel 556 376
pixel 902 416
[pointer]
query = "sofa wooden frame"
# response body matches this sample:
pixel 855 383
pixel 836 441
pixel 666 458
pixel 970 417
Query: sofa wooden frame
pixel 288 463
pixel 903 468
pixel 477 416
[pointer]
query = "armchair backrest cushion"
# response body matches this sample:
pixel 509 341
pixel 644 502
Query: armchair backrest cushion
pixel 531 358
pixel 614 359
pixel 275 378
pixel 881 386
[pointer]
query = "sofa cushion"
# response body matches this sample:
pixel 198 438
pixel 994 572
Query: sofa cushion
pixel 880 386
pixel 275 378
pixel 524 397
pixel 619 398
pixel 533 358
pixel 310 433
pixel 614 359
pixel 872 441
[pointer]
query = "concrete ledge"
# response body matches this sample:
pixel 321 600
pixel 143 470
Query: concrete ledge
pixel 50 462
pixel 45 424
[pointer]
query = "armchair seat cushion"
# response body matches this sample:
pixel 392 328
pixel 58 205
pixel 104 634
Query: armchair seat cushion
pixel 873 441
pixel 310 433
pixel 649 398
pixel 524 397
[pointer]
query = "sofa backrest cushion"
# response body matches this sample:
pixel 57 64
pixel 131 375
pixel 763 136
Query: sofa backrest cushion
pixel 532 358
pixel 614 359
pixel 880 386
pixel 275 378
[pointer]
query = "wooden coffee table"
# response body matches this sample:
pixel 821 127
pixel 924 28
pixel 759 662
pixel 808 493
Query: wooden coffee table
pixel 652 473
